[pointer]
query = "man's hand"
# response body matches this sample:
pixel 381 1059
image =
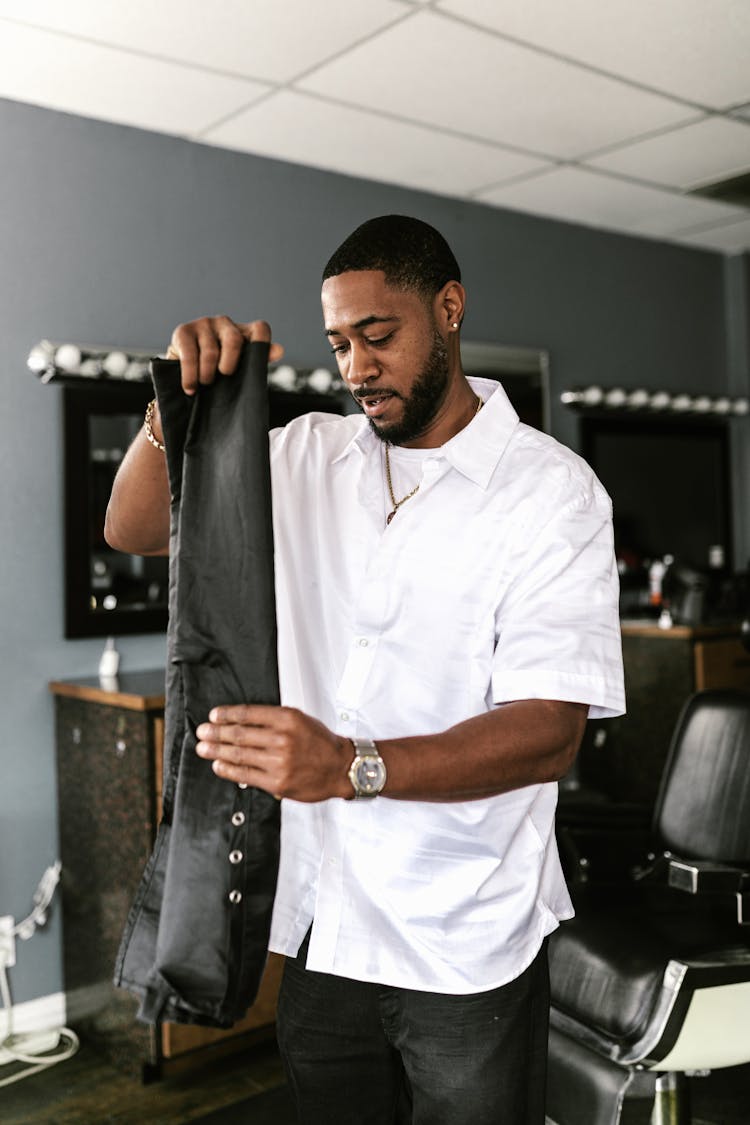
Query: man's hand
pixel 279 749
pixel 213 344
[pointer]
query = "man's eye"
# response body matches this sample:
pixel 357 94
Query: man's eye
pixel 338 349
pixel 381 341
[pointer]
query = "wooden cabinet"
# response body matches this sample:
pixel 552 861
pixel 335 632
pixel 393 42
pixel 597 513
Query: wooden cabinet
pixel 109 752
pixel 624 757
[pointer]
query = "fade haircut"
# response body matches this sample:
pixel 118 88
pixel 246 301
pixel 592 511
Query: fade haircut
pixel 411 254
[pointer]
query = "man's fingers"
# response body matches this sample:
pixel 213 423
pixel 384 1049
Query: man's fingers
pixel 213 344
pixel 252 714
pixel 229 735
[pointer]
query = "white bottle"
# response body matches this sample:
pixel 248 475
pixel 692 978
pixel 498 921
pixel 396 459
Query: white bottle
pixel 109 663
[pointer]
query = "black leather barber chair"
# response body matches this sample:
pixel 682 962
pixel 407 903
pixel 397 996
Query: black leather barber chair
pixel 651 980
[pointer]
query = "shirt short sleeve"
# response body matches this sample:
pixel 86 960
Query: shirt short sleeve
pixel 557 622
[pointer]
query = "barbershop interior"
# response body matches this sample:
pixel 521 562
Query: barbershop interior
pixel 589 164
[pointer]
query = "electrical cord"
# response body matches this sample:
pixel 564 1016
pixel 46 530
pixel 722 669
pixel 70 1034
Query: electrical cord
pixel 38 916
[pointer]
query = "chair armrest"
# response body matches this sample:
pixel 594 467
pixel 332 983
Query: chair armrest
pixel 699 876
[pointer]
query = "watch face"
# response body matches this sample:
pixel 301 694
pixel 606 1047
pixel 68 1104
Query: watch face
pixel 369 775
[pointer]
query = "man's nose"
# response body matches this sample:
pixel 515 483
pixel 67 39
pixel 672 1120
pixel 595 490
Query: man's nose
pixel 363 366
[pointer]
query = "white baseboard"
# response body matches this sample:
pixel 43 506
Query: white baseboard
pixel 35 1015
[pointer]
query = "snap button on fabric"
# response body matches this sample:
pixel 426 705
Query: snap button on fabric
pixel 235 857
pixel 242 785
pixel 238 818
pixel 235 897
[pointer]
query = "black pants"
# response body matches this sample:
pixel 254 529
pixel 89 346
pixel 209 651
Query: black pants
pixel 365 1054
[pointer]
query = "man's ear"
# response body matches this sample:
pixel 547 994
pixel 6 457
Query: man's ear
pixel 449 306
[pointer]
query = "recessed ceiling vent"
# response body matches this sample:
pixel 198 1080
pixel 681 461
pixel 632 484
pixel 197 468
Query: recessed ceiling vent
pixel 735 190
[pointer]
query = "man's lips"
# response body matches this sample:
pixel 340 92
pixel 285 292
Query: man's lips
pixel 374 403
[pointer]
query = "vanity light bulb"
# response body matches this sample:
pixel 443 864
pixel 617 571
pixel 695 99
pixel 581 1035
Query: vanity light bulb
pixel 722 405
pixel 616 397
pixel 91 368
pixel 68 357
pixel 592 396
pixel 638 399
pixel 681 403
pixel 741 406
pixel 115 364
pixel 136 370
pixel 660 400
pixel 702 404
pixel 39 359
pixel 284 377
pixel 320 380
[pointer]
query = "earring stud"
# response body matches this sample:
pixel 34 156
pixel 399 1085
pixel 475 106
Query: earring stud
pixel 455 324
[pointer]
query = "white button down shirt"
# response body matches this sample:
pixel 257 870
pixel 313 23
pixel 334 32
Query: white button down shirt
pixel 495 582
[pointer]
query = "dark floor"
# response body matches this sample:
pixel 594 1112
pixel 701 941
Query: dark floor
pixel 87 1090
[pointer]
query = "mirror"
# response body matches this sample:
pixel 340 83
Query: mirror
pixel 523 372
pixel 106 592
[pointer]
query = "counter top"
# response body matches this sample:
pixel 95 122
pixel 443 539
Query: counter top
pixel 136 691
pixel 645 627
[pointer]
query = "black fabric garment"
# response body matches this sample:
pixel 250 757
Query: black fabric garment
pixel 195 942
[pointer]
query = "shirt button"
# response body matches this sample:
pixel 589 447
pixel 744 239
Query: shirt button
pixel 344 715
pixel 235 857
pixel 238 818
pixel 363 642
pixel 235 897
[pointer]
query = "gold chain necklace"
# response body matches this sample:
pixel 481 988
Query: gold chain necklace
pixel 397 503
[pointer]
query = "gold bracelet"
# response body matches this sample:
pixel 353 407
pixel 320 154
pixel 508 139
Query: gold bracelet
pixel 148 419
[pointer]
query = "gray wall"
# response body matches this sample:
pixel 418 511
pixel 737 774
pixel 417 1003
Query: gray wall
pixel 110 235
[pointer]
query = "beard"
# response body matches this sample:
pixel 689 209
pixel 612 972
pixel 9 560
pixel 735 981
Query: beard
pixel 424 401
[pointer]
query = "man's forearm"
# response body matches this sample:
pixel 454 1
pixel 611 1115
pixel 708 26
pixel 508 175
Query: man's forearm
pixel 522 743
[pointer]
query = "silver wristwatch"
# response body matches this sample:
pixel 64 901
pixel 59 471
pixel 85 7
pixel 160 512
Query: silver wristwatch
pixel 367 771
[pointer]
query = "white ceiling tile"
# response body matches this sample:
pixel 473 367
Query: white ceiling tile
pixel 306 130
pixel 709 150
pixel 693 49
pixel 475 83
pixel 98 82
pixel 265 39
pixel 594 199
pixel 733 238
pixel 674 212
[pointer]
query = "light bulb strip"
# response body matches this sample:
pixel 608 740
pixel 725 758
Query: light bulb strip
pixel 86 362
pixel 640 400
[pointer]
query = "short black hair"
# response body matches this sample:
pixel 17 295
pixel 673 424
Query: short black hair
pixel 411 254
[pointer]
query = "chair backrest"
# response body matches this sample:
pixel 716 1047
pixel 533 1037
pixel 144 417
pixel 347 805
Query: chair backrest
pixel 703 807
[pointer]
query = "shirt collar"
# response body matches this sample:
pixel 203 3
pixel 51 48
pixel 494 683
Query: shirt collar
pixel 474 451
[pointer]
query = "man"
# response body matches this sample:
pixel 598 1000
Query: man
pixel 447 607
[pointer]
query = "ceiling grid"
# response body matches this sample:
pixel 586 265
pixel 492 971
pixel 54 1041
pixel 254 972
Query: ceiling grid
pixel 617 116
